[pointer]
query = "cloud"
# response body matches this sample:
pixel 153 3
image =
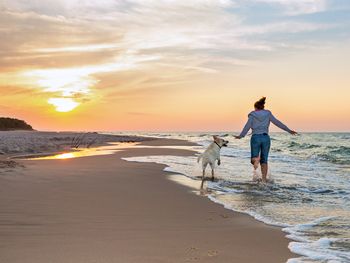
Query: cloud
pixel 299 7
pixel 85 48
pixel 282 27
pixel 164 27
pixel 68 48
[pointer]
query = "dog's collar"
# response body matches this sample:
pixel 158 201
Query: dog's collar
pixel 218 145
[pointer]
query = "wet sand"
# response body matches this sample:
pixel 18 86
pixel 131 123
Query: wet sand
pixel 104 209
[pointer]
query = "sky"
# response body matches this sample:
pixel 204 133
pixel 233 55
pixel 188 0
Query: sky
pixel 166 65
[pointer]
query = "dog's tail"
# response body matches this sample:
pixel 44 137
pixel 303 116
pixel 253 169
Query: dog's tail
pixel 199 158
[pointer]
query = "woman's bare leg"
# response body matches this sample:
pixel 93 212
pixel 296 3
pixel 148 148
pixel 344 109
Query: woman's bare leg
pixel 264 168
pixel 255 162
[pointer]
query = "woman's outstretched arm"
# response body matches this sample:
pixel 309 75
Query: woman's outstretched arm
pixel 280 125
pixel 246 128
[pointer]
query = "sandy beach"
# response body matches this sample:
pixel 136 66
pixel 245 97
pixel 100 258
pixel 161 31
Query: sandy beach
pixel 112 112
pixel 104 209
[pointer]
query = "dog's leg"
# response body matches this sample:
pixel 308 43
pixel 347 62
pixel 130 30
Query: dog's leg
pixel 212 172
pixel 203 174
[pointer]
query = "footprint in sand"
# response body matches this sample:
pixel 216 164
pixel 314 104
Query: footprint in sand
pixel 212 253
pixel 192 249
pixel 224 216
pixel 192 259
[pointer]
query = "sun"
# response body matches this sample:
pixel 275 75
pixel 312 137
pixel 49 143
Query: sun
pixel 63 104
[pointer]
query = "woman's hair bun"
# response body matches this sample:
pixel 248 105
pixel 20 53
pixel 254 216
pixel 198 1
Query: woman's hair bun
pixel 260 104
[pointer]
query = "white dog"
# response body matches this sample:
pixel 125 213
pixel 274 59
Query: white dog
pixel 210 155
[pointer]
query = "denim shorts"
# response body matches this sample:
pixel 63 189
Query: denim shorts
pixel 260 146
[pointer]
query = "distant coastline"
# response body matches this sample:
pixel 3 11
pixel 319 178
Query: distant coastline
pixel 13 124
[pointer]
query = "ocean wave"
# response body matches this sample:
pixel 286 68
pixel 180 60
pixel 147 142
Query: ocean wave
pixel 320 147
pixel 320 250
pixel 340 149
pixel 305 226
pixel 315 190
pixel 294 144
pixel 323 249
pixel 333 158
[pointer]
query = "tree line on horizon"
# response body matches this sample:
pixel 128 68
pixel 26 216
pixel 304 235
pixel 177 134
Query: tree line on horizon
pixel 10 124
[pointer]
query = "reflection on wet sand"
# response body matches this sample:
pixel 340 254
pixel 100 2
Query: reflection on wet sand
pixel 84 152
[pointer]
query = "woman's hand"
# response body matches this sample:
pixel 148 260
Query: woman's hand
pixel 294 132
pixel 237 137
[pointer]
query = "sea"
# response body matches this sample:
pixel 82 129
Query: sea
pixel 309 197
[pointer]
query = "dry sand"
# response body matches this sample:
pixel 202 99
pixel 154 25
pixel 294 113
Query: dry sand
pixel 103 209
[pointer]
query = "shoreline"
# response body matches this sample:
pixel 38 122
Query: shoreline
pixel 154 209
pixel 20 144
pixel 37 142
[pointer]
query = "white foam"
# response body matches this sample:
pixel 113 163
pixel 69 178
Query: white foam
pixel 169 169
pixel 320 250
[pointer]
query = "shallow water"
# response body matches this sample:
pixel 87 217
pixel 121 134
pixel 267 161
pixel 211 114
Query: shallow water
pixel 310 196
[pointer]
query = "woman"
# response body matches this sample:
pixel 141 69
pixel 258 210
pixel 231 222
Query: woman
pixel 259 121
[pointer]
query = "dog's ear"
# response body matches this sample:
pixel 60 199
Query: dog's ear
pixel 215 137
